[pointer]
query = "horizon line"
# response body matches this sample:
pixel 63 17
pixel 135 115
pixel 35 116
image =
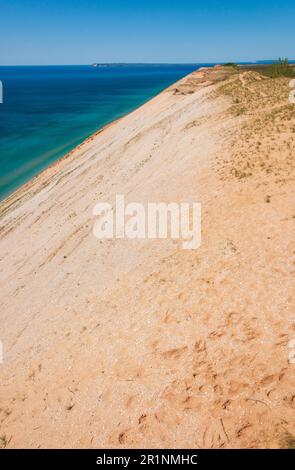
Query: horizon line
pixel 145 63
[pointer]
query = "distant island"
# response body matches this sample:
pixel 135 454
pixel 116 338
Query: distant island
pixel 132 64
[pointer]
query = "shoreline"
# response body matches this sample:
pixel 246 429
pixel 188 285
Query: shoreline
pixel 83 143
pixel 57 162
pixel 90 138
pixel 138 343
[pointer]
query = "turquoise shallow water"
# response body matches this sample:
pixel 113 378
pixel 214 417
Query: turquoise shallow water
pixel 47 111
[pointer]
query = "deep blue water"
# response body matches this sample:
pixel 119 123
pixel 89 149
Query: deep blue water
pixel 47 111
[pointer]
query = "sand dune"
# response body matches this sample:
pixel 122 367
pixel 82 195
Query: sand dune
pixel 121 343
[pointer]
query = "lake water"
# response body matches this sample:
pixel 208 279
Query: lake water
pixel 48 110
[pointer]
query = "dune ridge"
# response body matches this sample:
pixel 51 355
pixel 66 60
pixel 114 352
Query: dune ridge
pixel 121 343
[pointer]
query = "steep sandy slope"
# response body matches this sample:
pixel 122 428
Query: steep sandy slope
pixel 140 343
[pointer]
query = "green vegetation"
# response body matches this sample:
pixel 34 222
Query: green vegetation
pixel 230 64
pixel 281 68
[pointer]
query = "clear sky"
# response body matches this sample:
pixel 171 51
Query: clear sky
pixel 86 31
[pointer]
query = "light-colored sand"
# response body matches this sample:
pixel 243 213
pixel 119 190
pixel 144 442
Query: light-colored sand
pixel 141 343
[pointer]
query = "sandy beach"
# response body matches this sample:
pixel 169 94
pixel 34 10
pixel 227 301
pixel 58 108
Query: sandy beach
pixel 139 343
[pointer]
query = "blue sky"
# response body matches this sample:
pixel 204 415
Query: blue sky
pixel 85 31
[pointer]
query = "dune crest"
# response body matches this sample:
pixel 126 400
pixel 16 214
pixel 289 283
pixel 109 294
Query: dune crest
pixel 140 343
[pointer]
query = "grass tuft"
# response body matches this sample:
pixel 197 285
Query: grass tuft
pixel 281 68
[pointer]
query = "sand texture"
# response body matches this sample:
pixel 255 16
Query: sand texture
pixel 139 343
